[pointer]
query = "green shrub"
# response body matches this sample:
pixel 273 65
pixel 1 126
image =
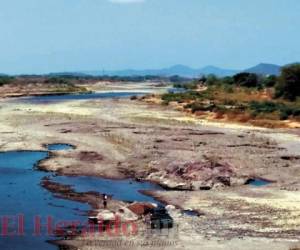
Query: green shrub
pixel 186 96
pixel 5 80
pixel 190 85
pixel 245 79
pixel 283 115
pixel 58 80
pixel 284 110
pixel 229 102
pixel 263 107
pixel 228 80
pixel 212 80
pixel 269 81
pixel 228 88
pixel 288 85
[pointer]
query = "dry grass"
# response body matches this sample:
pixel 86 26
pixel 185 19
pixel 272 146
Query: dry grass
pixel 241 95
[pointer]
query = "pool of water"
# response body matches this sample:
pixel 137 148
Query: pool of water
pixel 125 190
pixel 258 182
pixel 176 90
pixel 59 146
pixel 21 193
pixel 60 98
pixel 192 213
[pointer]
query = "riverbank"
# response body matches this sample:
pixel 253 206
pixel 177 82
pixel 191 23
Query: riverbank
pixel 120 138
pixel 39 89
pixel 240 105
pixel 51 86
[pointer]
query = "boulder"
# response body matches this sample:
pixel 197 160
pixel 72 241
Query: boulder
pixel 140 208
pixel 106 215
pixel 126 214
pixel 202 185
pixel 238 180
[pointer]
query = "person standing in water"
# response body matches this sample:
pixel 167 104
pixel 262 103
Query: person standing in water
pixel 104 197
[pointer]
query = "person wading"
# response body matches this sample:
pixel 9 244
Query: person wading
pixel 104 200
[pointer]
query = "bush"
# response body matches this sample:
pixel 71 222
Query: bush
pixel 283 110
pixel 230 102
pixel 269 81
pixel 5 80
pixel 263 107
pixel 246 79
pixel 58 80
pixel 288 85
pixel 283 115
pixel 195 106
pixel 190 85
pixel 198 106
pixel 212 80
pixel 181 97
pixel 134 97
pixel 296 112
pixel 228 80
pixel 228 88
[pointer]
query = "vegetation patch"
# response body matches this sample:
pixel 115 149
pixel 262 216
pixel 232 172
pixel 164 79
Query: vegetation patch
pixel 5 80
pixel 244 97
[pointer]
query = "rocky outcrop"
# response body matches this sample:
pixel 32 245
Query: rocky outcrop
pixel 197 176
pixel 141 208
pixel 106 216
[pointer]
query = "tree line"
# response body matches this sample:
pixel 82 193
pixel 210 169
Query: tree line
pixel 286 85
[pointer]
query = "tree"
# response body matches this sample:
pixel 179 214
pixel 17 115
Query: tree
pixel 212 79
pixel 175 78
pixel 245 79
pixel 288 85
pixel 228 80
pixel 269 81
pixel 5 80
pixel 58 80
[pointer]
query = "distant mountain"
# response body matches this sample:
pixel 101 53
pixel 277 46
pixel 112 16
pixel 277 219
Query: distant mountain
pixel 265 69
pixel 179 69
pixel 61 74
pixel 174 70
pixel 217 71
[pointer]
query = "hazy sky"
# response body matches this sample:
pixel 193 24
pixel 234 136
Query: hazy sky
pixel 67 35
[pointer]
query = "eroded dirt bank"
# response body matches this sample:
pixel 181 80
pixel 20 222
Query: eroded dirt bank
pixel 121 138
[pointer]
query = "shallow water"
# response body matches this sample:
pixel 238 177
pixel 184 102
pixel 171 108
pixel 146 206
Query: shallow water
pixel 21 193
pixel 59 146
pixel 176 90
pixel 258 182
pixel 191 213
pixel 125 190
pixel 69 97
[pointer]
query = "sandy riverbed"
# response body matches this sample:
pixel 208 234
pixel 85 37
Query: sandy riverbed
pixel 120 138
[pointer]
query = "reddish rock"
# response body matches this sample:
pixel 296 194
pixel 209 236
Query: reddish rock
pixel 140 208
pixel 90 156
pixel 195 171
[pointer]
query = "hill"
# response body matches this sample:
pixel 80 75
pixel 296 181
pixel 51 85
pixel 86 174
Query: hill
pixel 265 69
pixel 179 69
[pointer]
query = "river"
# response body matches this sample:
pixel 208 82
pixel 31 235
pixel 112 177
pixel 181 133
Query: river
pixel 23 198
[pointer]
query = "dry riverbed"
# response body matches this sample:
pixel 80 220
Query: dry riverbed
pixel 204 164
